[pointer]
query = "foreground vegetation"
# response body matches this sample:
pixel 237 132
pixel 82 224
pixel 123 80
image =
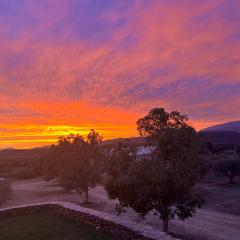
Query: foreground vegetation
pixel 47 227
pixel 5 190
pixel 163 184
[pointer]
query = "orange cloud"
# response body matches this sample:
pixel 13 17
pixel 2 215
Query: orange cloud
pixel 64 70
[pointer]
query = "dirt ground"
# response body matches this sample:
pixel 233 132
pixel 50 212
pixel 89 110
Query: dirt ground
pixel 218 220
pixel 222 196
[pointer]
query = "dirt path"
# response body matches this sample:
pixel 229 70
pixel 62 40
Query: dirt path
pixel 206 224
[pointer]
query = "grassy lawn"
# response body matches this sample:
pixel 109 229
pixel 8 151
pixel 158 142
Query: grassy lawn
pixel 47 227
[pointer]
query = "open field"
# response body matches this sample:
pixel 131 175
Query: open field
pixel 47 227
pixel 207 224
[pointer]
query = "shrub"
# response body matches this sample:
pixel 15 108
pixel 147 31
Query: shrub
pixel 228 168
pixel 5 190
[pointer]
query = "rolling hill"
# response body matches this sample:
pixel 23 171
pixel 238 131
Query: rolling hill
pixel 22 154
pixel 225 127
pixel 222 134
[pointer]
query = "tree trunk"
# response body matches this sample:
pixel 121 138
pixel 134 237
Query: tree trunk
pixel 165 225
pixel 86 196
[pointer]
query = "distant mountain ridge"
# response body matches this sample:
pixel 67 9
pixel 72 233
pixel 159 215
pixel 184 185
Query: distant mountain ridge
pixel 222 134
pixel 133 140
pixel 225 127
pixel 221 137
pixel 22 154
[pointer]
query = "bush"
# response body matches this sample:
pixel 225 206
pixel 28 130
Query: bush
pixel 5 190
pixel 228 168
pixel 18 169
pixel 23 173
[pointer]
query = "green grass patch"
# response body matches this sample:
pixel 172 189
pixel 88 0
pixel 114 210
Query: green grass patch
pixel 47 227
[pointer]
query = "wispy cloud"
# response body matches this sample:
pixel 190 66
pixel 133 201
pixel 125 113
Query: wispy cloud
pixel 89 63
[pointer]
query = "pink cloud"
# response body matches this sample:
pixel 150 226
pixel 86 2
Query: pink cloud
pixel 158 54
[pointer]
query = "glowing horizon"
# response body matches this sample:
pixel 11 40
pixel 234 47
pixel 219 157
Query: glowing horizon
pixel 69 66
pixel 38 136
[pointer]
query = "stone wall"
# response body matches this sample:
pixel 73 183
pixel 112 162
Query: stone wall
pixel 116 230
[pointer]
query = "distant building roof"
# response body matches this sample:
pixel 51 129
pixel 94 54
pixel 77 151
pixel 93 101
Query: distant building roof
pixel 145 150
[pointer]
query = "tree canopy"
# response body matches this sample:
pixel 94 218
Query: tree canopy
pixel 158 120
pixel 164 185
pixel 76 161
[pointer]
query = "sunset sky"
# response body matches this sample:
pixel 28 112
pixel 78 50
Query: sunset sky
pixel 72 65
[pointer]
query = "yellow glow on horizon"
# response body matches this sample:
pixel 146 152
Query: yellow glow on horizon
pixel 35 135
pixel 39 135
